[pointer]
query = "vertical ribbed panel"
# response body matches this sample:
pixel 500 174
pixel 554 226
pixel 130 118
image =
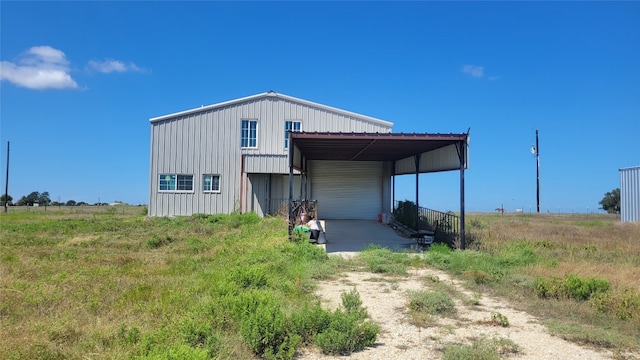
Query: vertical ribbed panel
pixel 347 189
pixel 208 142
pixel 630 194
pixel 442 159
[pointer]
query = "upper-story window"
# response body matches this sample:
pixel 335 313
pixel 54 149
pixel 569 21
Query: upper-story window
pixel 249 134
pixel 290 125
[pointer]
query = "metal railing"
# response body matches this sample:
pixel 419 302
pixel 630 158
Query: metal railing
pixel 448 222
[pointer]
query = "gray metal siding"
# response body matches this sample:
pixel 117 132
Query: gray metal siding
pixel 442 159
pixel 208 142
pixel 266 164
pixel 630 194
pixel 196 145
pixel 347 189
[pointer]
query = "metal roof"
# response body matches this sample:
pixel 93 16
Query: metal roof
pixel 270 94
pixel 370 146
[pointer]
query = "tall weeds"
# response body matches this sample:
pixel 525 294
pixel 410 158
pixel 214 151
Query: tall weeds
pixel 119 285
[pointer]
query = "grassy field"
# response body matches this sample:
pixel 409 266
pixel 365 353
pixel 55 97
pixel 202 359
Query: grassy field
pixel 109 283
pixel 579 273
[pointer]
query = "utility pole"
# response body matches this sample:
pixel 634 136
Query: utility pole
pixel 537 173
pixel 6 183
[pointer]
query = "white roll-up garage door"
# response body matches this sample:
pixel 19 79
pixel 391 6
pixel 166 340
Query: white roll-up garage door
pixel 347 189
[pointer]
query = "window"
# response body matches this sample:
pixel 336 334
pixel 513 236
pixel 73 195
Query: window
pixel 249 134
pixel 210 183
pixel 290 125
pixel 176 182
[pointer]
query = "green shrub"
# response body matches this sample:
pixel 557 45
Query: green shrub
pixel 177 352
pixel 157 241
pixel 347 330
pixel 247 302
pixel 198 333
pixel 353 305
pixel 624 304
pixel 571 286
pixel 478 276
pixel 548 288
pixel 249 277
pixel 431 302
pixel 346 334
pixel 265 331
pixel 499 319
pixel 309 322
pixel 582 289
pixel 482 349
pixel 475 351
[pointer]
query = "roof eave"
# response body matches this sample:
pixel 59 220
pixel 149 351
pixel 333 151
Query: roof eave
pixel 276 95
pixel 206 108
pixel 333 109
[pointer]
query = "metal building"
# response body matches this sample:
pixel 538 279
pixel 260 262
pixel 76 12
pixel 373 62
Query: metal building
pixel 630 194
pixel 236 156
pixel 232 156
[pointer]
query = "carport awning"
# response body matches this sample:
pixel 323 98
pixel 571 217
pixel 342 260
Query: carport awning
pixel 410 153
pixel 379 147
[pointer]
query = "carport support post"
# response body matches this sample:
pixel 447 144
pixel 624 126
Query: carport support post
pixel 417 160
pixel 289 204
pixel 462 156
pixel 393 186
pixel 303 179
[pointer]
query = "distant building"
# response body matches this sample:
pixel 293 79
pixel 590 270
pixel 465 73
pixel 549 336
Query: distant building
pixel 630 194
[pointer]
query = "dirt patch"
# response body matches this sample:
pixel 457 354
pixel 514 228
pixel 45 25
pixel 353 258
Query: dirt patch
pixel 386 300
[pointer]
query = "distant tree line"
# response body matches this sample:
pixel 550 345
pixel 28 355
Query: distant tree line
pixel 42 199
pixel 28 200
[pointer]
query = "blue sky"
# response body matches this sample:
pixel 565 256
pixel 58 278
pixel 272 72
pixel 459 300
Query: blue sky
pixel 80 80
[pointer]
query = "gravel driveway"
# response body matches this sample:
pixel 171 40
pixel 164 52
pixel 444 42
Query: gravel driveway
pixel 386 301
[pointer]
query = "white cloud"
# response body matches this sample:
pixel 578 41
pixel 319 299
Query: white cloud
pixel 473 70
pixel 41 67
pixel 109 66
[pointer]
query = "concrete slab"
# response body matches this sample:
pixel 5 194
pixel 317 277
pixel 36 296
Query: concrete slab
pixel 345 236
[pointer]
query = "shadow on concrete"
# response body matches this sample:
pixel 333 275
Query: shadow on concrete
pixel 355 235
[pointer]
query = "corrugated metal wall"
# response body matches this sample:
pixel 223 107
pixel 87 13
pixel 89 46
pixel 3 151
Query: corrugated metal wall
pixel 209 143
pixel 266 164
pixel 442 159
pixel 630 194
